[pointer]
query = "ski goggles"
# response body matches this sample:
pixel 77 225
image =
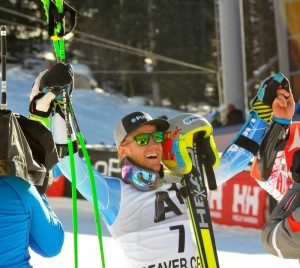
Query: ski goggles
pixel 143 139
pixel 142 179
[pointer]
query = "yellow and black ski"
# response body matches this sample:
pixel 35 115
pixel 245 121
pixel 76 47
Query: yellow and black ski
pixel 198 204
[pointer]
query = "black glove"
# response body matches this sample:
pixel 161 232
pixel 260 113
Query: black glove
pixel 266 94
pixel 47 89
pixel 268 89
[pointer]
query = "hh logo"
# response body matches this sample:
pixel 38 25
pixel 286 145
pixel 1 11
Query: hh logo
pixel 239 201
pixel 245 199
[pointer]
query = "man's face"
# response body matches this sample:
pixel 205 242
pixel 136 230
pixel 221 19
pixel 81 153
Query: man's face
pixel 148 156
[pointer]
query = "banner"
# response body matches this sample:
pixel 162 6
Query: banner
pixel 240 202
pixel 104 159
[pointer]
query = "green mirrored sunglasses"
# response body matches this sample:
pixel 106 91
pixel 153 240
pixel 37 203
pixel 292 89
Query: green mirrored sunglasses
pixel 144 138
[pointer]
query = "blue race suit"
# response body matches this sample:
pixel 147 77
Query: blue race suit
pixel 26 220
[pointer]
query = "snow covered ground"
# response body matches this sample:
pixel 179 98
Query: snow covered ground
pixel 97 114
pixel 237 247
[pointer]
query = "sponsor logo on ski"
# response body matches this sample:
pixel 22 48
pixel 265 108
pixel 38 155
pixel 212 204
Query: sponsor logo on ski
pixel 199 195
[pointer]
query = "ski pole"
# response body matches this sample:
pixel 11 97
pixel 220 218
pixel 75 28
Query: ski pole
pixel 91 175
pixel 58 42
pixel 73 179
pixel 73 176
pixel 3 67
pixel 56 34
pixel 59 48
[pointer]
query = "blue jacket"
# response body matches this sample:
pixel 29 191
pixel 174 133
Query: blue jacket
pixel 26 220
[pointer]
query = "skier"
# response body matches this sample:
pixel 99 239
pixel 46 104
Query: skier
pixel 149 217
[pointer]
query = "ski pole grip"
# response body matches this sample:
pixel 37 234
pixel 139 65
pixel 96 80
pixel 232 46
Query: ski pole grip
pixel 3 66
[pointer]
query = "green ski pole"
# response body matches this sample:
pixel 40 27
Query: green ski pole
pixel 59 47
pixel 55 21
pixel 91 175
pixel 58 41
pixel 73 176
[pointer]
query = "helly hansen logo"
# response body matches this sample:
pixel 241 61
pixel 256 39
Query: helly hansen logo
pixel 246 199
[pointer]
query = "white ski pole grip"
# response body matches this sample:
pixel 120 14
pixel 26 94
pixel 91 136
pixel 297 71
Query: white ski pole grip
pixel 3 67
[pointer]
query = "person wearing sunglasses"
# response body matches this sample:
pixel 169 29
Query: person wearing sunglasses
pixel 144 210
pixel 138 138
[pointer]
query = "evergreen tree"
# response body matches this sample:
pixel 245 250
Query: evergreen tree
pixel 260 42
pixel 179 31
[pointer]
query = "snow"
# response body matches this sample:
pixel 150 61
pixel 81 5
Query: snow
pixel 97 114
pixel 237 247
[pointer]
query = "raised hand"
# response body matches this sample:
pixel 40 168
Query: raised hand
pixel 283 105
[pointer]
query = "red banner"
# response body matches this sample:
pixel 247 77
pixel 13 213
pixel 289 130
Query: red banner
pixel 240 201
